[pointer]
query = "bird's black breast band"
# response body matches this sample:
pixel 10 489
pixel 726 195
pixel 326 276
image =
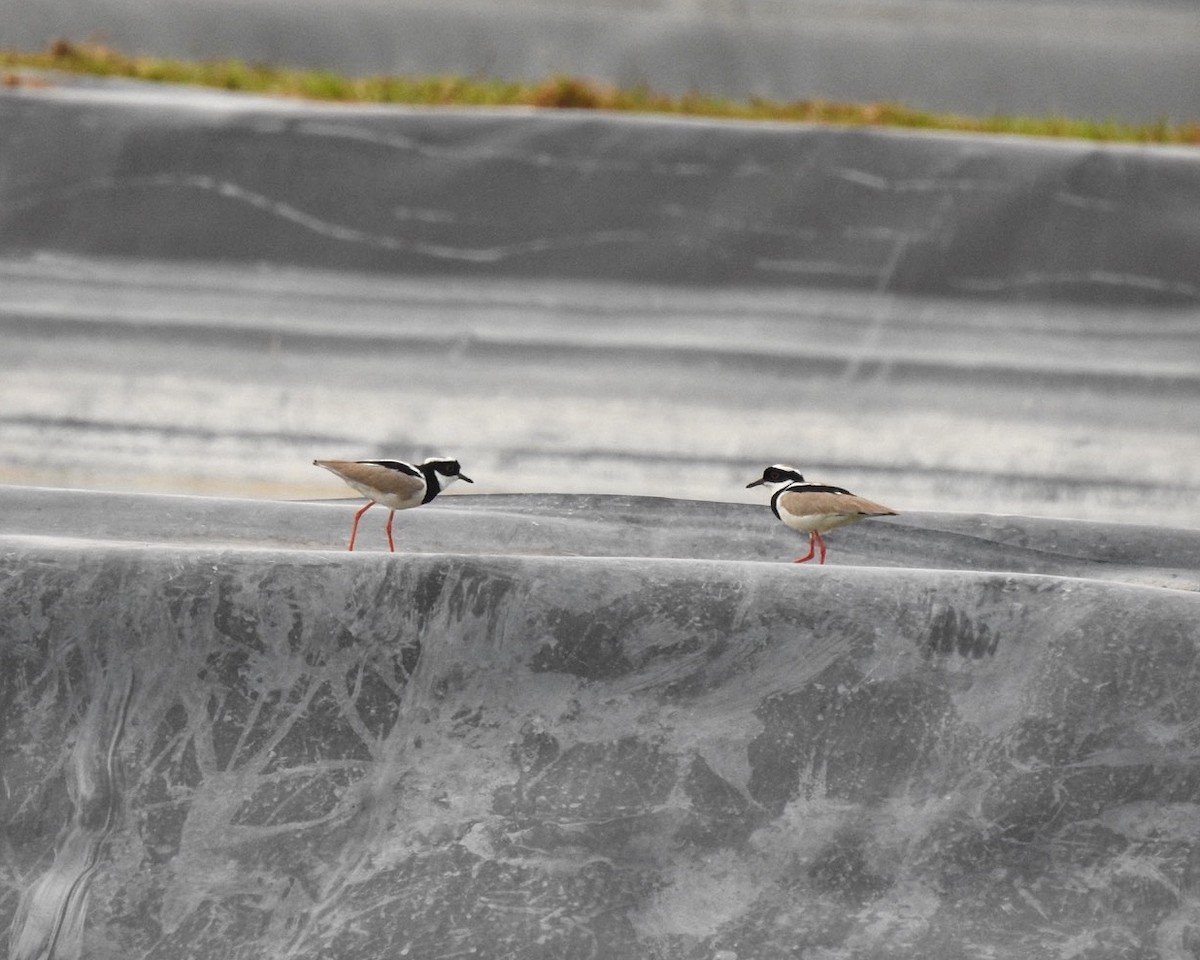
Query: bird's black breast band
pixel 433 486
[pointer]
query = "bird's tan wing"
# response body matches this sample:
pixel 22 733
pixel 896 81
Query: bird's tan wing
pixel 803 503
pixel 374 476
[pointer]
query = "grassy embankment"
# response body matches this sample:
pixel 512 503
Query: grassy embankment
pixel 555 92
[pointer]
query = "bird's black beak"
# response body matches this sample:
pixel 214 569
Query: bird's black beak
pixel 463 476
pixel 754 483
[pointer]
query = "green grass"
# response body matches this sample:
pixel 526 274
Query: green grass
pixel 560 91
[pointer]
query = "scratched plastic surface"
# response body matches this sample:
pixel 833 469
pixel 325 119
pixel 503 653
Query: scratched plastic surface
pixel 591 730
pixel 591 710
pixel 582 303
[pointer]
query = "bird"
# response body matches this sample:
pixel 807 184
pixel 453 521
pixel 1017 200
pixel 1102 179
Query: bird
pixel 395 484
pixel 814 508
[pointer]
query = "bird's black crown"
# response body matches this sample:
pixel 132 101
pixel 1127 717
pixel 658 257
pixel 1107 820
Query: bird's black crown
pixel 448 468
pixel 778 474
pixel 782 474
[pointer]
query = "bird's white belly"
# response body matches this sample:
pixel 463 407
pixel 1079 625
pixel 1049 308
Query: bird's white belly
pixel 392 501
pixel 819 522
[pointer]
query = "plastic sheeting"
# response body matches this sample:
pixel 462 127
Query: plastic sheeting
pixel 246 750
pixel 203 293
pixel 560 724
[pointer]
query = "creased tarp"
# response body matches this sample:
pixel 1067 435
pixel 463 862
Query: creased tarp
pixel 557 525
pixel 261 752
pixel 586 196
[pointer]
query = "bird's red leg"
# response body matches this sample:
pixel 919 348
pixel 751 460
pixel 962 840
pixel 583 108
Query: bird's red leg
pixel 821 544
pixel 388 528
pixel 357 517
pixel 812 546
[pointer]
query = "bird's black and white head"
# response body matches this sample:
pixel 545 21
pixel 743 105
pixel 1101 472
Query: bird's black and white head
pixel 777 477
pixel 439 473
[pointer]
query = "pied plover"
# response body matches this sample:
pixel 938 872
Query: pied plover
pixel 396 485
pixel 814 508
